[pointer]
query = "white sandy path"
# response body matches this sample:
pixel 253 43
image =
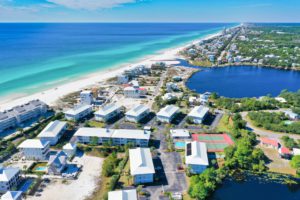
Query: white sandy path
pixel 77 189
pixel 51 95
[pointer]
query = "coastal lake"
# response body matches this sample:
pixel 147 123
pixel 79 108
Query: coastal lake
pixel 244 81
pixel 256 187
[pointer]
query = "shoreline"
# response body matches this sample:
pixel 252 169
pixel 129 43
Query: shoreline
pixel 50 96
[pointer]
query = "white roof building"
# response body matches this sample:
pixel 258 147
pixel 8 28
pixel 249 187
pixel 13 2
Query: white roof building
pixel 12 195
pixel 78 109
pixel 33 143
pixel 108 109
pixel 168 111
pixel 53 129
pixel 199 112
pixel 78 112
pixel 180 133
pixel 196 153
pixel 7 173
pixel 94 132
pixel 122 195
pixel 137 110
pixel 113 133
pixel 141 161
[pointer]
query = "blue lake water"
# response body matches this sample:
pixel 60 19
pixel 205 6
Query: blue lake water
pixel 244 81
pixel 40 55
pixel 256 188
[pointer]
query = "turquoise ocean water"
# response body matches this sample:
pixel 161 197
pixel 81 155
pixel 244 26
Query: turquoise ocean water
pixel 34 57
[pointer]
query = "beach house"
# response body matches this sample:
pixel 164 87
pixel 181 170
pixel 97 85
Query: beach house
pixel 196 158
pixel 123 195
pixel 57 163
pixel 20 114
pixel 167 114
pixel 78 112
pixel 137 113
pixel 108 112
pixel 70 149
pixel 141 165
pixel 118 137
pixel 53 132
pixel 35 149
pixel 198 114
pixel 86 97
pixel 9 178
pixel 12 195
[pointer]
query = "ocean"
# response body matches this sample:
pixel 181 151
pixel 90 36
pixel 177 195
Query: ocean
pixel 38 56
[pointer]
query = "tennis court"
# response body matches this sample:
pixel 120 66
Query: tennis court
pixel 214 142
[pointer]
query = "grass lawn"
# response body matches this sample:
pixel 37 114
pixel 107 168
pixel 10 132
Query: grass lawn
pixel 124 177
pixel 225 124
pixel 96 124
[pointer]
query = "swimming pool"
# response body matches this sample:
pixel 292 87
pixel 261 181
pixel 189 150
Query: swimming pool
pixel 179 145
pixel 41 169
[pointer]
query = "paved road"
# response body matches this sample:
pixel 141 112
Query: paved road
pixel 171 180
pixel 266 133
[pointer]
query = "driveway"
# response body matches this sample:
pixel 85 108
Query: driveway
pixel 169 178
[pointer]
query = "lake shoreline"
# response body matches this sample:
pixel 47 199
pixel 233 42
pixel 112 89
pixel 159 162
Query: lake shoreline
pixel 243 81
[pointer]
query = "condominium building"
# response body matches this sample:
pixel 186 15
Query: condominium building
pixel 196 158
pixel 20 114
pixel 198 114
pixel 35 149
pixel 108 112
pixel 9 178
pixel 141 165
pixel 117 137
pixel 78 112
pixel 53 132
pixel 137 113
pixel 167 114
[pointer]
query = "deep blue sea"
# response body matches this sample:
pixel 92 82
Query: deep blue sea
pixel 37 56
pixel 244 81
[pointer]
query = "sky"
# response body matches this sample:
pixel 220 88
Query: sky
pixel 149 10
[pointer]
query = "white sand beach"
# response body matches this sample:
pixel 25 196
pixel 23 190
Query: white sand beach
pixel 50 96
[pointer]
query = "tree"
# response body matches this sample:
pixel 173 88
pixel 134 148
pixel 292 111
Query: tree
pixel 94 141
pixel 295 162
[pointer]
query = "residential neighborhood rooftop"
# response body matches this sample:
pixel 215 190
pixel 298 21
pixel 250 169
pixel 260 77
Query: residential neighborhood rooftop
pixel 141 161
pixel 168 111
pixel 196 153
pixel 123 195
pixel 11 195
pixel 33 143
pixel 105 110
pixel 78 109
pixel 53 129
pixel 6 173
pixel 199 112
pixel 137 110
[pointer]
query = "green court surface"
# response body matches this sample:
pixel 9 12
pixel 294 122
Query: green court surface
pixel 211 137
pixel 216 146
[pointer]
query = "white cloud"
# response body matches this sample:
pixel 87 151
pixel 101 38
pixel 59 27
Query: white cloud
pixel 90 4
